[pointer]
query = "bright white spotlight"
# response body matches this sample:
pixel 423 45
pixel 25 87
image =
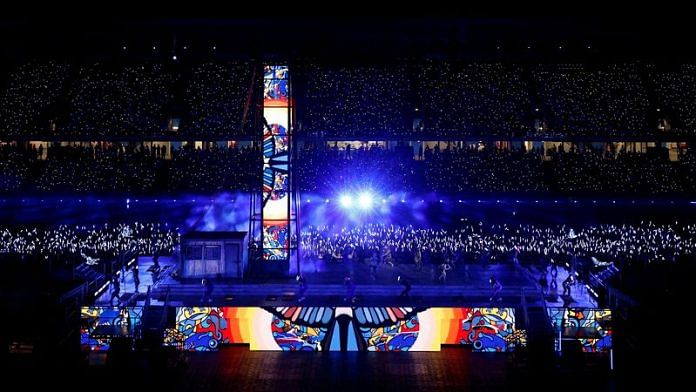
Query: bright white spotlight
pixel 346 201
pixel 365 201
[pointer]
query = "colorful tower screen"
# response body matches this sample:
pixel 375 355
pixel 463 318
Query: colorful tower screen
pixel 277 111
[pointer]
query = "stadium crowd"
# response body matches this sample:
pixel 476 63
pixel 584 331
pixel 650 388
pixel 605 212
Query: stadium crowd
pixel 78 243
pixel 102 100
pixel 644 242
pixel 407 99
pixel 325 168
pixel 126 168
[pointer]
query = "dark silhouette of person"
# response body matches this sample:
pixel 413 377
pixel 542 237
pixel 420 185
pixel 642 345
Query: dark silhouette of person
pixel 136 277
pixel 373 265
pixel 553 290
pixel 207 291
pixel 567 284
pixel 302 287
pixel 155 268
pixel 497 289
pixel 350 289
pixel 544 283
pixel 407 286
pixel 115 290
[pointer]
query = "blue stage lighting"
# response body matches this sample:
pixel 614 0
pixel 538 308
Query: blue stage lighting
pixel 346 201
pixel 365 201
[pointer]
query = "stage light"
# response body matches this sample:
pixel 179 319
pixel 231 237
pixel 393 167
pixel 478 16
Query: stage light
pixel 441 201
pixel 384 201
pixel 403 201
pixel 326 201
pixel 365 201
pixel 174 57
pixel 346 201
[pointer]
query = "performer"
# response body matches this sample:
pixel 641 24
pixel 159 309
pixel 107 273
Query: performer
pixel 207 291
pixel 418 259
pixel 407 286
pixel 373 265
pixel 115 290
pixel 544 283
pixel 136 277
pixel 444 267
pixel 302 287
pixel 497 289
pixel 350 289
pixel 567 284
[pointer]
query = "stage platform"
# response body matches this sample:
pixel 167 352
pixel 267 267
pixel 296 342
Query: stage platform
pixel 466 285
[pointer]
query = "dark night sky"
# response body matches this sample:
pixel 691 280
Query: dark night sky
pixel 655 38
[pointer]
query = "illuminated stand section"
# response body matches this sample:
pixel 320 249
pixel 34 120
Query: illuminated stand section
pixel 278 211
pixel 319 328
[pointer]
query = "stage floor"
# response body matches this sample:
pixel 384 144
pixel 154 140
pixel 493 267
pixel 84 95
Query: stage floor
pixel 466 285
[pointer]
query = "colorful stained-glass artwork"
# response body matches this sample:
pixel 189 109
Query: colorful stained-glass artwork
pixel 486 329
pixel 395 337
pixel 275 85
pixel 276 163
pixel 294 337
pixel 591 327
pixel 596 322
pixel 202 328
pixel 322 328
pixel 99 325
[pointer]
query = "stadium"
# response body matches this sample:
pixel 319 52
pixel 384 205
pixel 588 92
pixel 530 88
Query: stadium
pixel 433 203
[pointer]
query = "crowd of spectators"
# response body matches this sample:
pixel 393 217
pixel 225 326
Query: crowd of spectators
pixel 135 168
pixel 406 99
pixel 130 100
pixel 79 243
pixel 470 169
pixel 127 100
pixel 675 91
pixel 29 94
pixel 351 101
pixel 127 168
pixel 472 98
pixel 609 101
pixel 470 242
pixel 216 100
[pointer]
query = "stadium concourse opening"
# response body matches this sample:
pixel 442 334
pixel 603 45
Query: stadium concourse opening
pixel 504 211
